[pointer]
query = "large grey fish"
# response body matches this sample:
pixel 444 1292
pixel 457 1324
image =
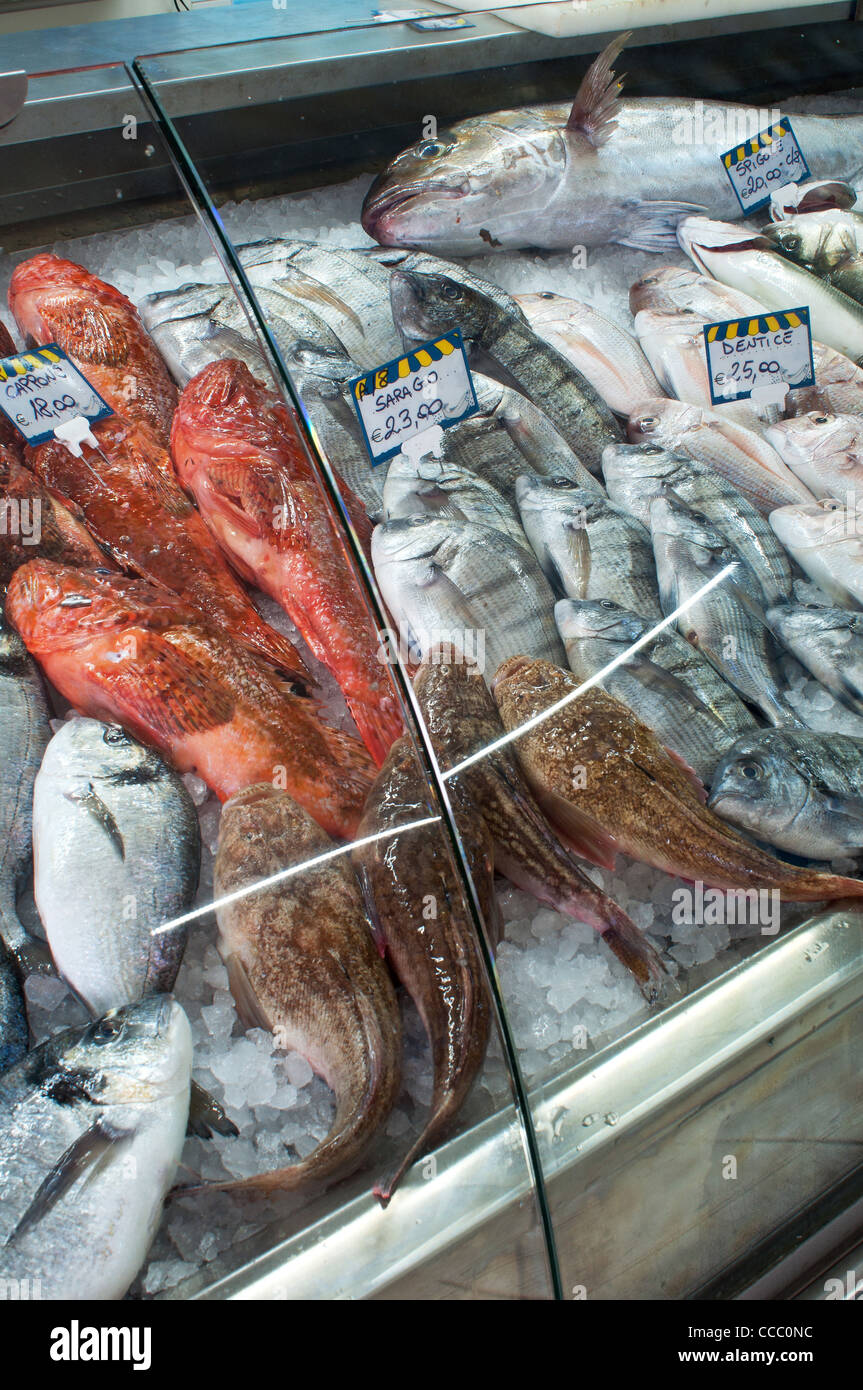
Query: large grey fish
pixel 676 693
pixel 587 547
pixel 457 581
pixel 430 486
pixel 595 171
pixel 824 451
pixel 427 304
pixel 26 731
pixel 636 473
pixel 828 642
pixel 739 454
pixel 799 791
pixel 117 852
pixel 745 261
pixel 13 1018
pixel 92 1124
pixel 302 964
pixel 725 624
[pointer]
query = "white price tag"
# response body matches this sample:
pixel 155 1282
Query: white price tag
pixel 759 357
pixel 430 386
pixel 42 389
pixel 769 161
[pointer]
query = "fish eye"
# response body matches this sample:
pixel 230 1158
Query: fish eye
pixel 648 422
pixel 450 291
pixel 114 735
pixel 750 770
pixel 74 601
pixel 547 294
pixel 820 419
pixel 430 148
pixel 607 603
pixel 107 1030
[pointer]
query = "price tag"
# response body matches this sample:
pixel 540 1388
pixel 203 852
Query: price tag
pixel 404 398
pixel 42 389
pixel 770 160
pixel 755 356
pixel 423 19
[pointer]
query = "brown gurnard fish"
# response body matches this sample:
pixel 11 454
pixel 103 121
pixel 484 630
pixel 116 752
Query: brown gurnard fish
pixel 129 653
pixel 462 720
pixel 237 451
pixel 302 964
pixel 609 785
pixel 421 918
pixel 57 301
pixel 37 524
pixel 128 494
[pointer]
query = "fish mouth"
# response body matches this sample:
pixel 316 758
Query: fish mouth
pixel 510 666
pixel 386 202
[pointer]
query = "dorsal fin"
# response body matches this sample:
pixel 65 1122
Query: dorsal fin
pixel 597 100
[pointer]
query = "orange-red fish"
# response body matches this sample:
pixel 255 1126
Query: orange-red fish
pixel 127 652
pixel 129 497
pixel 57 301
pixel 32 523
pixel 237 450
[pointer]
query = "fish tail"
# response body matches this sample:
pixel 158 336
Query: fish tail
pixel 642 960
pixel 29 955
pixel 378 721
pixel 441 1117
pixel 278 650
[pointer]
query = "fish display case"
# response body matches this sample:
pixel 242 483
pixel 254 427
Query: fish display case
pixel 623 985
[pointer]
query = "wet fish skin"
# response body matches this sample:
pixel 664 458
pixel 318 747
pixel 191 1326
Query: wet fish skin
pixel 635 797
pixel 78 1114
pixel 585 173
pixel 596 633
pixel 635 474
pixel 14 1032
pixel 817 240
pixel 461 718
pixel 45 526
pixel 24 721
pixel 606 355
pixel 123 651
pixel 429 486
pixel 673 287
pixel 110 817
pixel 828 642
pixel 427 304
pixel 58 301
pixel 418 906
pixel 824 451
pixel 726 624
pixel 198 324
pixel 738 454
pixel 824 538
pixel 238 453
pixel 303 965
pixel 797 791
pixel 587 547
pixel 838 388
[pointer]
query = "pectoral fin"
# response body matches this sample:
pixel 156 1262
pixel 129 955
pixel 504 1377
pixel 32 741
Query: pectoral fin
pixel 249 1010
pixel 654 224
pixel 83 1158
pixel 206 1115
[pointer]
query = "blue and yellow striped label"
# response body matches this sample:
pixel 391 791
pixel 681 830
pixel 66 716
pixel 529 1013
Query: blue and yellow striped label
pixel 395 371
pixel 26 362
pixel 755 327
pixel 761 141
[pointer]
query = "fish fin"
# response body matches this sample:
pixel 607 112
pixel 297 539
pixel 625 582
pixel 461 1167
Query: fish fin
pixel 586 836
pixel 578 554
pixel 377 931
pixel 697 784
pixel 206 1115
pixel 249 1010
pixel 666 684
pixel 438 575
pixel 29 955
pixel 643 962
pixel 147 685
pixel 656 226
pixel 83 1157
pixel 597 100
pixel 92 803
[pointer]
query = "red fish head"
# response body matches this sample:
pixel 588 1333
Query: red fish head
pixel 47 275
pixel 56 606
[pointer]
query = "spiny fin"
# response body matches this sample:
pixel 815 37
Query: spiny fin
pixel 82 1157
pixel 656 226
pixel 206 1115
pixel 586 836
pixel 249 1010
pixel 598 98
pixel 92 803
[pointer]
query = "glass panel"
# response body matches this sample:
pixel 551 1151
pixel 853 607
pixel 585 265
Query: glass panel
pixel 586 239
pixel 216 823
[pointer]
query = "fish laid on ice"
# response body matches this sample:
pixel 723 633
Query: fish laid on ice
pixel 598 170
pixel 637 473
pixel 798 791
pixel 826 540
pixel 117 851
pixel 123 651
pixel 725 624
pixel 745 260
pixel 462 720
pixel 828 642
pixel 673 287
pixel 92 1125
pixel 633 796
pixel 236 449
pixel 738 454
pixel 25 732
pixel 587 547
pixel 431 486
pixel 427 304
pixel 57 301
pixel 830 244
pixel 606 355
pixel 302 964
pixel 672 689
pixel 445 580
pixel 825 452
pixel 422 921
pixel 838 388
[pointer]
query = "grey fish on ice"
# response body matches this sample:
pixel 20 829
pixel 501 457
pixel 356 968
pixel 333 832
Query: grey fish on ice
pixel 430 486
pixel 92 1124
pixel 117 857
pixel 826 540
pixel 824 451
pixel 828 642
